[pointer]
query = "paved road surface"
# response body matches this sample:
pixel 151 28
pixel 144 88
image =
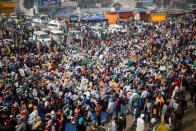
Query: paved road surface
pixel 188 124
pixel 189 119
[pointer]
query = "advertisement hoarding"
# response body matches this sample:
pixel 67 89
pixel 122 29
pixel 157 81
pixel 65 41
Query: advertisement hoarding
pixel 49 3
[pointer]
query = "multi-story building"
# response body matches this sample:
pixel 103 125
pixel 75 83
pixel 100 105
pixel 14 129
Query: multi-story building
pixel 7 7
pixel 69 5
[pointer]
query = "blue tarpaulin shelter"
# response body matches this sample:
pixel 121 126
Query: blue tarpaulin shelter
pixel 122 11
pixel 141 10
pixel 62 12
pixel 94 18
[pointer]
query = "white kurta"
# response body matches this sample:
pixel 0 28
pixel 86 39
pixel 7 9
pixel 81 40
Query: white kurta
pixel 140 124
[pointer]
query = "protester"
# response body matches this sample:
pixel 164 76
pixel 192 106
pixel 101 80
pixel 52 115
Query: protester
pixel 121 122
pixel 93 80
pixel 140 123
pixel 113 124
pixel 101 127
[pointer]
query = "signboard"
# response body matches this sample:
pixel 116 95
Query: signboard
pixel 49 3
pixel 74 18
pixel 69 3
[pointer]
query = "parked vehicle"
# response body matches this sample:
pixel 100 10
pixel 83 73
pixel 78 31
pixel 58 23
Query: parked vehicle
pixel 57 25
pixel 13 15
pixel 39 22
pixel 57 35
pixel 42 37
pixel 116 28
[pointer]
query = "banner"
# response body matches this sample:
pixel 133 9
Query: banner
pixel 49 3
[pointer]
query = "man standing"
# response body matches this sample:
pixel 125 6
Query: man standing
pixel 110 109
pixel 140 123
pixel 64 41
pixel 164 109
pixel 98 110
pixel 113 124
pixel 121 122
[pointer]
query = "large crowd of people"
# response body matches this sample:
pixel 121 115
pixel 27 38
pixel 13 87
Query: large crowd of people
pixel 144 72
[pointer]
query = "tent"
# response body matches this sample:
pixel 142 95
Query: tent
pixel 152 16
pixel 112 17
pixel 121 11
pixel 118 14
pixel 96 17
pixel 124 14
pixel 176 12
pixel 158 17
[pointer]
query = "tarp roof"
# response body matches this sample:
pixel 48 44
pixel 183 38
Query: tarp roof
pixel 122 11
pixel 96 17
pixel 141 10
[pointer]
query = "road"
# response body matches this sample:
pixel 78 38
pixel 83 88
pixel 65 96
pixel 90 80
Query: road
pixel 189 119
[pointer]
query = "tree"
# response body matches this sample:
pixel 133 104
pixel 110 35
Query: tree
pixel 117 6
pixel 192 1
pixel 28 4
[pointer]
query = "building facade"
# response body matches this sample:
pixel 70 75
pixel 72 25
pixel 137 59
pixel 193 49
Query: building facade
pixel 69 6
pixel 7 7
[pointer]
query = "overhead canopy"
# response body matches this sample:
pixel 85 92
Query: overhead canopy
pixel 121 11
pixel 124 14
pixel 154 17
pixel 142 10
pixel 112 17
pixel 176 11
pixel 62 12
pixel 115 15
pixel 97 17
